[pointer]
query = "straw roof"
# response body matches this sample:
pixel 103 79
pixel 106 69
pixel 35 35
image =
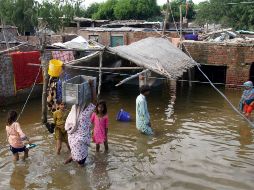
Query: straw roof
pixel 156 54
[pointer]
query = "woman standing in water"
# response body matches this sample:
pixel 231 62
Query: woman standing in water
pixel 247 100
pixel 78 128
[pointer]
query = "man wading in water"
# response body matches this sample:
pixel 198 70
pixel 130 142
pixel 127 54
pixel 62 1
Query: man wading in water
pixel 143 123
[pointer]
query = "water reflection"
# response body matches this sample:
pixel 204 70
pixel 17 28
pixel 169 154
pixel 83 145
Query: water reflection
pixel 100 178
pixel 18 177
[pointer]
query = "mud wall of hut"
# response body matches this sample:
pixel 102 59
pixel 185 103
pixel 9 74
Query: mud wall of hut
pixel 237 57
pixel 6 77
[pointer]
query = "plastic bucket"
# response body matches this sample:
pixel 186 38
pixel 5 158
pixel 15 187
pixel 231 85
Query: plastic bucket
pixel 123 116
pixel 55 67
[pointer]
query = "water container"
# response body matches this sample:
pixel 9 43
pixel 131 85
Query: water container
pixel 123 116
pixel 77 90
pixel 191 37
pixel 55 67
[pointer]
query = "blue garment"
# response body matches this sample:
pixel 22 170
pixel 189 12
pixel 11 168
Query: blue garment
pixel 247 97
pixel 142 116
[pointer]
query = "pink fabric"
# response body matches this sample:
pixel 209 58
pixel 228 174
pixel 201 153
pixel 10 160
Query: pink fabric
pixel 64 56
pixel 100 126
pixel 79 140
pixel 15 135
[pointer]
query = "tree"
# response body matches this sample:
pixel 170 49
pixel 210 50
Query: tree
pixel 238 16
pixel 106 10
pixel 91 10
pixel 22 13
pixel 125 9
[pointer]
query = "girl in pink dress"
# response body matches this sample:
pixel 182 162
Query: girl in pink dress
pixel 100 121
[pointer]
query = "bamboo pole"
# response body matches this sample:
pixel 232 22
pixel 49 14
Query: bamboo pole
pixel 100 75
pixel 44 118
pixel 181 27
pixel 166 19
pixel 12 48
pixel 102 68
pixel 131 77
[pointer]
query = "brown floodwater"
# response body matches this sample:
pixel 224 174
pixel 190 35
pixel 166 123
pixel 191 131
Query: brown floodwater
pixel 199 144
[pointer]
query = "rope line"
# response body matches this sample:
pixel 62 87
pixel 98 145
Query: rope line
pixel 23 108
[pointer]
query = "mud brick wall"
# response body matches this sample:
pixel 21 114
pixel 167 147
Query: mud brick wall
pixel 237 57
pixel 6 77
pixel 128 36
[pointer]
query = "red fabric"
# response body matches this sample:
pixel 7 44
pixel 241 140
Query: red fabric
pixel 25 74
pixel 248 108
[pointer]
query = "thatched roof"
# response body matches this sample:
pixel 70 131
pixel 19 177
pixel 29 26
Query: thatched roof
pixel 156 54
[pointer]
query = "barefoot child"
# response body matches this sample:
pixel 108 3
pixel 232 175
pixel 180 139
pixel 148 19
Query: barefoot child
pixel 60 134
pixel 100 121
pixel 16 136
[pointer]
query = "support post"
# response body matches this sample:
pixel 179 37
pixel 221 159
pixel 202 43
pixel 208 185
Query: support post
pixel 181 27
pixel 166 19
pixel 44 64
pixel 100 75
pixel 190 78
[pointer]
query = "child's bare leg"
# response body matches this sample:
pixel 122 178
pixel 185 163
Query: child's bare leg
pixel 106 146
pixel 97 147
pixel 69 160
pixel 58 146
pixel 25 154
pixel 16 157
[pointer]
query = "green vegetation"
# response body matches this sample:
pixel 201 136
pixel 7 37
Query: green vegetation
pixel 238 16
pixel 58 13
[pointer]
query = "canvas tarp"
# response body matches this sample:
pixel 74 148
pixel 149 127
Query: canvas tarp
pixel 157 55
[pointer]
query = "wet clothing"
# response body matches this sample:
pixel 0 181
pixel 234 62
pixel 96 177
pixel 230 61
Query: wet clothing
pixel 142 116
pixel 16 150
pixel 100 128
pixel 15 135
pixel 59 120
pixel 60 117
pixel 61 134
pixel 79 139
pixel 246 99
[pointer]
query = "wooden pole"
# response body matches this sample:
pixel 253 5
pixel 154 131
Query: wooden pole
pixel 100 75
pixel 131 77
pixel 44 64
pixel 181 27
pixel 166 19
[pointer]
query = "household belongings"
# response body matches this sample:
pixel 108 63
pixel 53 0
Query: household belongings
pixel 123 116
pixel 55 67
pixel 77 90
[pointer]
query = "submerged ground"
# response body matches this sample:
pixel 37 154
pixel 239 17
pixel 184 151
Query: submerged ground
pixel 199 143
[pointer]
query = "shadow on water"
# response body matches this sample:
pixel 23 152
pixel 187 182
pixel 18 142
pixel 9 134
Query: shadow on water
pixel 199 143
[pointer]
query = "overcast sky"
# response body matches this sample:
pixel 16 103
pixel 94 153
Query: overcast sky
pixel 160 2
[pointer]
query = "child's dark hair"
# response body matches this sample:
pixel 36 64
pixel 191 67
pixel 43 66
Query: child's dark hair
pixel 103 103
pixel 12 117
pixel 144 88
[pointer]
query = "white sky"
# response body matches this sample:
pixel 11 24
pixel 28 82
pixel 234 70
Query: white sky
pixel 160 2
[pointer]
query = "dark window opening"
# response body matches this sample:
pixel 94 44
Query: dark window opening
pixel 251 76
pixel 217 74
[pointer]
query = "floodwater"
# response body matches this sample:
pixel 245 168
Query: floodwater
pixel 199 144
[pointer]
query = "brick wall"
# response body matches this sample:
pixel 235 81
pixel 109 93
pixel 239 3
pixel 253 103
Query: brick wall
pixel 237 57
pixel 129 36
